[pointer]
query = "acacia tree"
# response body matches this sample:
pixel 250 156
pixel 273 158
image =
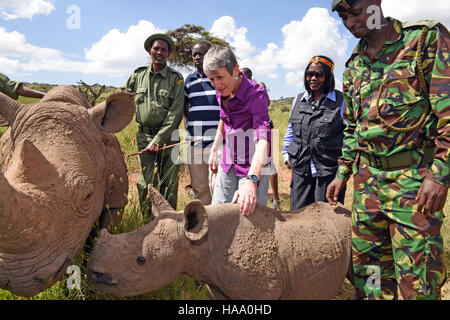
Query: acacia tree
pixel 185 38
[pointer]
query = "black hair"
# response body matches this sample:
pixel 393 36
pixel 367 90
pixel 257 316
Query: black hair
pixel 330 83
pixel 206 43
pixel 248 73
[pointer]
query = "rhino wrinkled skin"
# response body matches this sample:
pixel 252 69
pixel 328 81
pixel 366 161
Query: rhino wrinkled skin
pixel 304 254
pixel 60 167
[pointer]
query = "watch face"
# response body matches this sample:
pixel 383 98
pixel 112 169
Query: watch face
pixel 253 178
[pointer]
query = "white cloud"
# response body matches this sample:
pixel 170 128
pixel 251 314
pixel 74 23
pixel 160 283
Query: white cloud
pixel 115 54
pixel 417 10
pixel 316 34
pixel 17 9
pixel 18 55
pixel 118 53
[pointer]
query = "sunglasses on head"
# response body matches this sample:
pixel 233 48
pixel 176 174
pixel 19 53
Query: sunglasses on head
pixel 318 74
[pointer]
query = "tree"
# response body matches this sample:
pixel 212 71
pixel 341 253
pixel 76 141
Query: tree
pixel 185 38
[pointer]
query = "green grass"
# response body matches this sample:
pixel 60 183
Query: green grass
pixel 184 287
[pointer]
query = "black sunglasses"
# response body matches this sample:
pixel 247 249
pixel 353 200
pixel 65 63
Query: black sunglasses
pixel 318 74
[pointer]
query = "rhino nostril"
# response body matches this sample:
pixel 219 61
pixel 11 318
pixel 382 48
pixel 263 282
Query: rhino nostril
pixel 101 277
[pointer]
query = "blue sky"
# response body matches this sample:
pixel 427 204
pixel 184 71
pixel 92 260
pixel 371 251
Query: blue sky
pixel 274 38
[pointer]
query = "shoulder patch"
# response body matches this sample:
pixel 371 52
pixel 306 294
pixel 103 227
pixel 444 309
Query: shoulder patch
pixel 180 81
pixel 421 23
pixel 142 68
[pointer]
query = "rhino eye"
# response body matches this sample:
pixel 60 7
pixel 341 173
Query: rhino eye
pixel 140 261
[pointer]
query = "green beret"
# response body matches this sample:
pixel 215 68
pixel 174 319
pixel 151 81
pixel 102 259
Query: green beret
pixel 159 36
pixel 343 5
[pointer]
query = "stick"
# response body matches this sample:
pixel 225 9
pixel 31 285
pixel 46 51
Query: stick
pixel 166 147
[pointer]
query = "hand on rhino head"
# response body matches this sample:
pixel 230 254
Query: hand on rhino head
pixel 53 181
pixel 152 256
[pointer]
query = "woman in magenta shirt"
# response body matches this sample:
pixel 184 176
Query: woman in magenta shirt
pixel 243 172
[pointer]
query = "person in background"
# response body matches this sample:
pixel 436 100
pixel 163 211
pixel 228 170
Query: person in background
pixel 159 98
pixel 313 141
pixel 396 145
pixel 276 204
pixel 202 112
pixel 244 123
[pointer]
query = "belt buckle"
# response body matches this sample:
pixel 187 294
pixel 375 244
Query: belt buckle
pixel 378 162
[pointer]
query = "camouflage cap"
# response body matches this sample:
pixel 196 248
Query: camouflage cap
pixel 159 36
pixel 343 5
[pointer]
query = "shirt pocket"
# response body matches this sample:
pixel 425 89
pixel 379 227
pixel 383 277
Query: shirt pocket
pixel 164 97
pixel 401 93
pixel 330 124
pixel 140 95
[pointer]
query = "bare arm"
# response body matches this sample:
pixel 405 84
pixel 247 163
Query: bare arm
pixel 30 93
pixel 247 192
pixel 215 148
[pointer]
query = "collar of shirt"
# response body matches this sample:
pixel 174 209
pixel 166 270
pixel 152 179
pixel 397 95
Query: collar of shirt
pixel 163 72
pixel 199 75
pixel 331 96
pixel 360 48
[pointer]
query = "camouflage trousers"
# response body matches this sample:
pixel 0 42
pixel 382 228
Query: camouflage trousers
pixel 159 170
pixel 397 251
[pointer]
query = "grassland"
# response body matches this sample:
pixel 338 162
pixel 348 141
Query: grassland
pixel 184 287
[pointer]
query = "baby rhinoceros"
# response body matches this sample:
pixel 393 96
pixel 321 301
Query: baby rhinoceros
pixel 61 166
pixel 303 254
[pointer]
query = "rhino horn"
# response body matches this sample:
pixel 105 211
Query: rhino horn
pixel 159 203
pixel 31 166
pixel 9 109
pixel 115 113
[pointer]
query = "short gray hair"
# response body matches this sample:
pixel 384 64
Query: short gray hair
pixel 219 57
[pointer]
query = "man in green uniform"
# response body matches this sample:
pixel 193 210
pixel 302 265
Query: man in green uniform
pixel 396 143
pixel 159 98
pixel 14 89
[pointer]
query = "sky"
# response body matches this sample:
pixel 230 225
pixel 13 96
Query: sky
pixel 100 41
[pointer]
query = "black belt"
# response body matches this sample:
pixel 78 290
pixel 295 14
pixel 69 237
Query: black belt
pixel 148 130
pixel 398 160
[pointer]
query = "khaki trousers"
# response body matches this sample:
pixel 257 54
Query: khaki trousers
pixel 200 173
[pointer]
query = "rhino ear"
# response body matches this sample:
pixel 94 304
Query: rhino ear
pixel 159 203
pixel 32 167
pixel 115 113
pixel 195 220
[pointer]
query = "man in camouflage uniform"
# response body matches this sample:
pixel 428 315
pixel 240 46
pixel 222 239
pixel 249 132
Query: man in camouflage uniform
pixel 159 98
pixel 396 143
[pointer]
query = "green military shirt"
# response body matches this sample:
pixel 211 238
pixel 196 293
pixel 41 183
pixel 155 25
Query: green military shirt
pixel 159 99
pixel 9 87
pixel 391 81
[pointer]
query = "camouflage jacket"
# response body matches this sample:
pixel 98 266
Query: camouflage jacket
pixel 390 80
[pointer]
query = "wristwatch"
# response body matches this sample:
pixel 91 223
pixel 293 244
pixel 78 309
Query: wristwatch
pixel 253 178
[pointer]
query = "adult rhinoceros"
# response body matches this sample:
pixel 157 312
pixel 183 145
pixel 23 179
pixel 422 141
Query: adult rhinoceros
pixel 60 166
pixel 304 254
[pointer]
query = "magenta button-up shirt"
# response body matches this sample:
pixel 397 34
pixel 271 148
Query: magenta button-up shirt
pixel 245 122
